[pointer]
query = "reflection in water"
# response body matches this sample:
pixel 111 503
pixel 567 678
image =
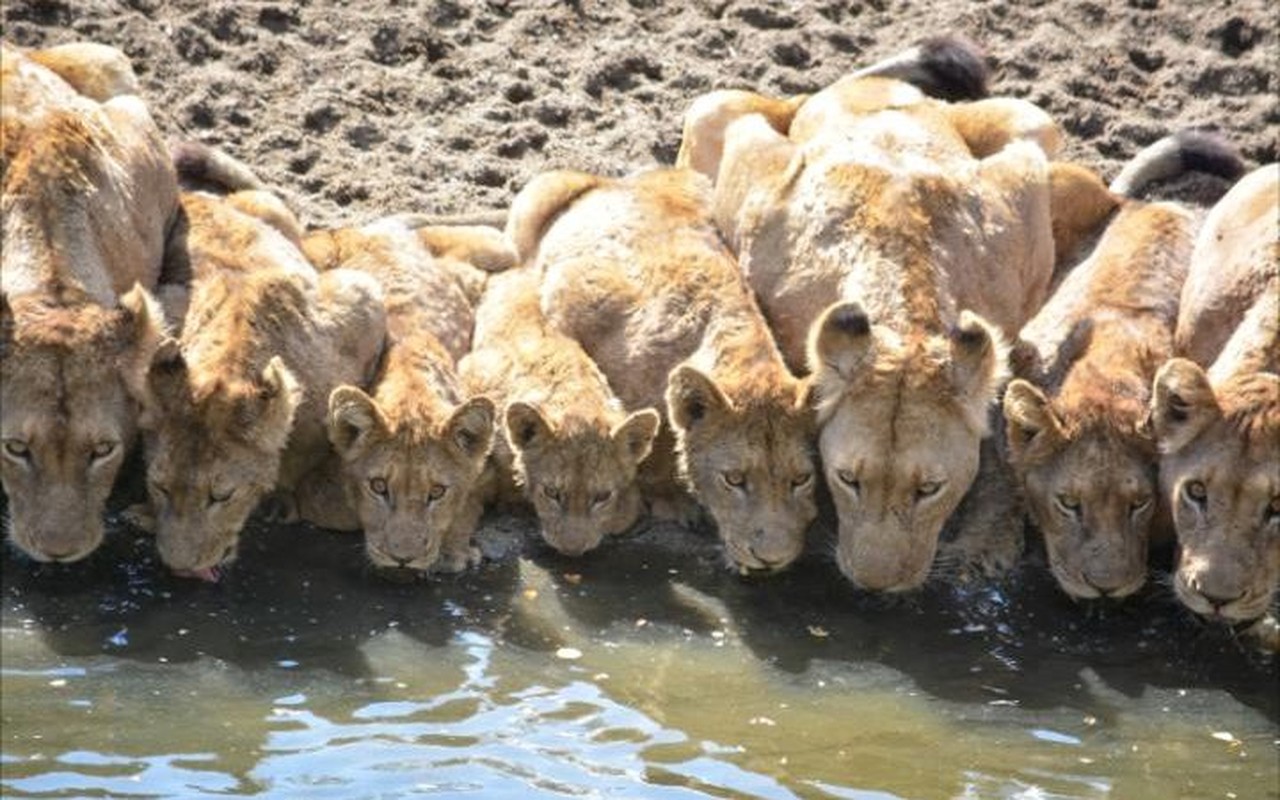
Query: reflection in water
pixel 643 670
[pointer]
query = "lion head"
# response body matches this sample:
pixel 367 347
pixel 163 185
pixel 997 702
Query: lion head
pixel 750 464
pixel 899 429
pixel 580 476
pixel 1220 472
pixel 213 448
pixel 70 377
pixel 413 474
pixel 1090 483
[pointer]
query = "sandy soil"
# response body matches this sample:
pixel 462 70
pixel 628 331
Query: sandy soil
pixel 357 109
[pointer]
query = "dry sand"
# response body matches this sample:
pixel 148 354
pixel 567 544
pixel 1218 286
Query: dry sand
pixel 358 109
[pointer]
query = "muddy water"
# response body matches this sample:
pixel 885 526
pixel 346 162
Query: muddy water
pixel 641 671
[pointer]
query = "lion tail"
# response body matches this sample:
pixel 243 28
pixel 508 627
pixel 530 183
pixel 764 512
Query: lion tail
pixel 950 67
pixel 1184 151
pixel 200 165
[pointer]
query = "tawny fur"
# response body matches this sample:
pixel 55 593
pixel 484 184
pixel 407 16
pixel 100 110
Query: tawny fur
pixel 412 450
pixel 635 271
pixel 936 219
pixel 1078 441
pixel 1218 423
pixel 238 407
pixel 1237 264
pixel 566 443
pixel 88 194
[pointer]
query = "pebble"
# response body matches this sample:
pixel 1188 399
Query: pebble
pixel 569 653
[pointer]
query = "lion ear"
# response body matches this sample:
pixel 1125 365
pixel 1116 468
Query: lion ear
pixel 143 329
pixel 279 395
pixel 1182 404
pixel 979 365
pixel 1033 428
pixel 636 433
pixel 167 382
pixel 526 427
pixel 353 418
pixel 693 398
pixel 470 429
pixel 841 341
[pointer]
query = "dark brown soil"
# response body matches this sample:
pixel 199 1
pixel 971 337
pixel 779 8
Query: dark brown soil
pixel 357 109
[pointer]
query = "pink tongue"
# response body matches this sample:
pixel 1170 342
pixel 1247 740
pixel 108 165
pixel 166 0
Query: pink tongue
pixel 210 574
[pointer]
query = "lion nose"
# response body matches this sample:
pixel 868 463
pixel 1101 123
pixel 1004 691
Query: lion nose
pixel 762 553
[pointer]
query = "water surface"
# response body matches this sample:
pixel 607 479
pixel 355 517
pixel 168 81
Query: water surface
pixel 642 670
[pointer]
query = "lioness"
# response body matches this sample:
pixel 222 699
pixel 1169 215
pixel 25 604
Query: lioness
pixel 238 406
pixel 929 224
pixel 635 271
pixel 1219 430
pixel 413 448
pixel 567 443
pixel 88 194
pixel 1078 440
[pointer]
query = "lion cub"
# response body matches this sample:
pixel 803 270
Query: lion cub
pixel 635 271
pixel 237 407
pixel 88 193
pixel 567 443
pixel 1219 430
pixel 929 225
pixel 413 448
pixel 1078 441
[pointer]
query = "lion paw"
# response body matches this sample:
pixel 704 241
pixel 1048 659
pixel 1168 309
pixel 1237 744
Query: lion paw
pixel 459 560
pixel 140 516
pixel 1265 633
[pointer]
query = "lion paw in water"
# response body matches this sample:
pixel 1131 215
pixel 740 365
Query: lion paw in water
pixel 458 560
pixel 1265 634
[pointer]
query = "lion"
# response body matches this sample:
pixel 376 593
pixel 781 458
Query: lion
pixel 237 407
pixel 1078 440
pixel 929 223
pixel 1218 428
pixel 635 271
pixel 413 448
pixel 88 196
pixel 566 443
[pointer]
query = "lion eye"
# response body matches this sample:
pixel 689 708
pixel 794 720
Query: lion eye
pixel 551 492
pixel 601 497
pixel 1196 492
pixel 378 486
pixel 734 479
pixel 437 491
pixel 17 449
pixel 103 449
pixel 928 489
pixel 1139 505
pixel 848 479
pixel 1069 503
pixel 216 496
pixel 801 480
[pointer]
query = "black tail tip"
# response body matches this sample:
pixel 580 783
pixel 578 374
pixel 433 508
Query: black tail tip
pixel 191 160
pixel 953 68
pixel 1208 152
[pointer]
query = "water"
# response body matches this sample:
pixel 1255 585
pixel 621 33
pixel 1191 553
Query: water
pixel 643 670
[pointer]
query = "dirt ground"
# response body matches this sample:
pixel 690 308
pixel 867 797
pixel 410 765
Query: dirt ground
pixel 362 108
